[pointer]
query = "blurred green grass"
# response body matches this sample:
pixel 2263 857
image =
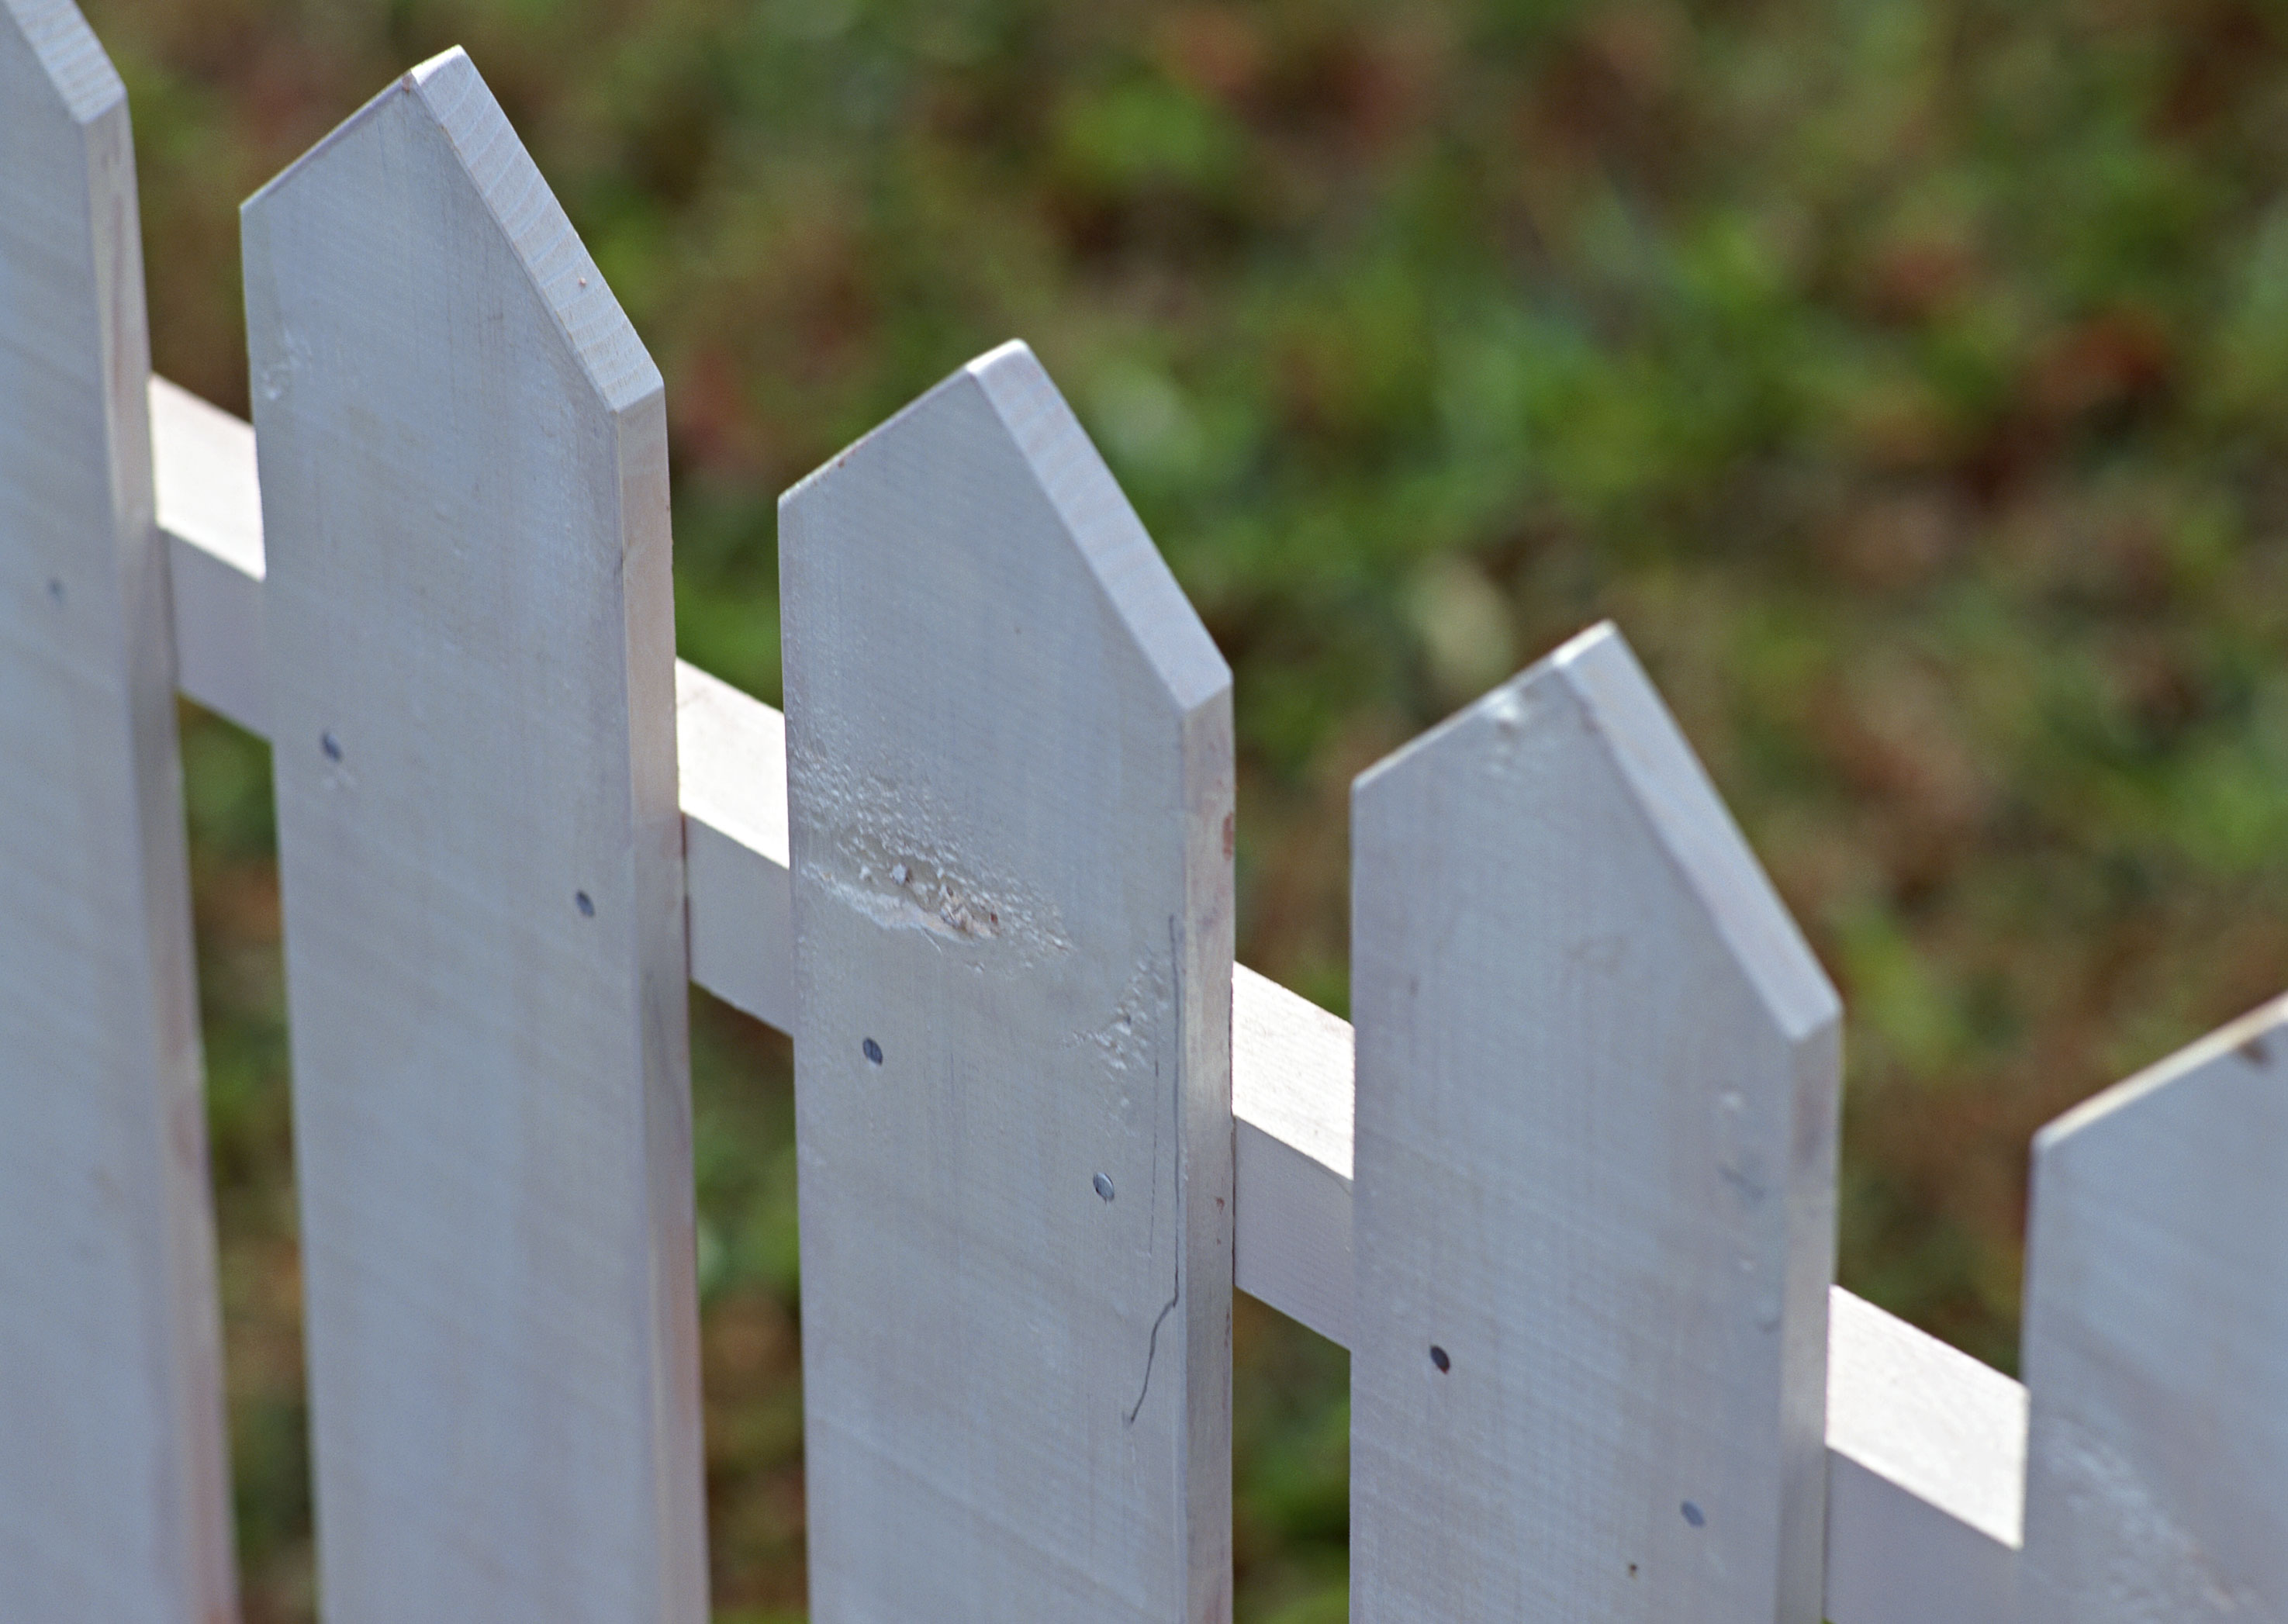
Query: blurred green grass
pixel 1908 378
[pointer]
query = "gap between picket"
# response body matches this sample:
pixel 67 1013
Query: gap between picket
pixel 1925 1446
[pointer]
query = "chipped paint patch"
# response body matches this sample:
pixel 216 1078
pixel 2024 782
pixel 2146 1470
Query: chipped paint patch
pixel 887 854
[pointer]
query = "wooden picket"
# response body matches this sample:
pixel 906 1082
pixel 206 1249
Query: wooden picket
pixel 1577 1224
pixel 2156 1342
pixel 113 1502
pixel 1594 1225
pixel 1009 781
pixel 470 633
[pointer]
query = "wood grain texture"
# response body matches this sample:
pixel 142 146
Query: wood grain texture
pixel 1009 776
pixel 471 636
pixel 2156 1342
pixel 1595 1162
pixel 1925 1475
pixel 113 1499
pixel 730 747
pixel 1925 1444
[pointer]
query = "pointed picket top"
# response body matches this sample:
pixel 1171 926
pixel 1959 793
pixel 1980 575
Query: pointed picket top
pixel 2155 1344
pixel 470 630
pixel 1010 792
pixel 1006 395
pixel 443 112
pixel 1594 1175
pixel 52 36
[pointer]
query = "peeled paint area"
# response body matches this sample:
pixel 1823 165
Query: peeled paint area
pixel 888 854
pixel 2120 1557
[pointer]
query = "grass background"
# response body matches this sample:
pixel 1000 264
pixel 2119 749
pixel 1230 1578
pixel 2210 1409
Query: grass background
pixel 1908 378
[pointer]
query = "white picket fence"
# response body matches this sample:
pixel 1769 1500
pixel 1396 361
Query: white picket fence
pixel 1577 1231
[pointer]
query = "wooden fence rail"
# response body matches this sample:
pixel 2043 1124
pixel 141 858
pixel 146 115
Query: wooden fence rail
pixel 1571 1207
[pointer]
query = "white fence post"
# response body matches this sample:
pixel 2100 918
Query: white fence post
pixel 472 712
pixel 2156 1342
pixel 1009 775
pixel 1595 1159
pixel 113 1497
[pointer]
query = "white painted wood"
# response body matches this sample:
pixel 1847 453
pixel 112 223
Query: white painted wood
pixel 1009 774
pixel 113 1499
pixel 733 751
pixel 1925 1475
pixel 2156 1342
pixel 210 512
pixel 1290 1060
pixel 1290 1101
pixel 1597 1080
pixel 1922 1445
pixel 1926 1446
pixel 471 639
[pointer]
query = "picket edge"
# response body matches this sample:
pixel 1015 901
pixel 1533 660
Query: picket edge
pixel 2152 1342
pixel 1897 1399
pixel 116 1501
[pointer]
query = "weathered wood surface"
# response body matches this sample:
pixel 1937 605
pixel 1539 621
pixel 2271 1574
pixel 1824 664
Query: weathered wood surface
pixel 1010 787
pixel 471 640
pixel 1925 1475
pixel 1926 1447
pixel 113 1501
pixel 1896 1399
pixel 2156 1342
pixel 730 749
pixel 1595 1162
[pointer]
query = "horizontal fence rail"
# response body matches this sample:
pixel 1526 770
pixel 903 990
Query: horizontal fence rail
pixel 1566 1192
pixel 1926 1447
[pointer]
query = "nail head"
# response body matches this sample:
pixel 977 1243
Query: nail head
pixel 872 1050
pixel 1103 1186
pixel 1438 1358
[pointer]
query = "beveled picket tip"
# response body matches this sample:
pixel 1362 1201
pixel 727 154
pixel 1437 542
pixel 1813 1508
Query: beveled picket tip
pixel 70 58
pixel 1594 1172
pixel 1094 517
pixel 1010 795
pixel 2155 1344
pixel 444 107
